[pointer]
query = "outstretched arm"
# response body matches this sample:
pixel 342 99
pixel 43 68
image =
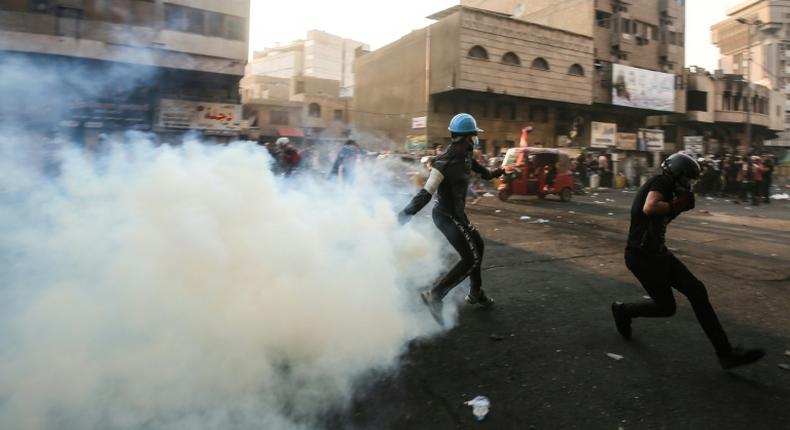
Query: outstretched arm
pixel 484 172
pixel 422 197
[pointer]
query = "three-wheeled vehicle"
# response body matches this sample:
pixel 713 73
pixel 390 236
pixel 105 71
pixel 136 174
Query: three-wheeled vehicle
pixel 536 172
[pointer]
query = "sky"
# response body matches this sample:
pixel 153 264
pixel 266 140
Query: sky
pixel 378 23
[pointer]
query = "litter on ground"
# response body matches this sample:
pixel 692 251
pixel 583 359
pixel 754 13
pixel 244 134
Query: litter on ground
pixel 614 356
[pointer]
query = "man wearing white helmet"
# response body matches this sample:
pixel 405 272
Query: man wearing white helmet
pixel 449 180
pixel 659 201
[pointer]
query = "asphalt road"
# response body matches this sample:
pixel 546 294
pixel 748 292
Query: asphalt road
pixel 540 355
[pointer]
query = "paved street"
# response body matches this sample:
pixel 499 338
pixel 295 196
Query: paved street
pixel 541 354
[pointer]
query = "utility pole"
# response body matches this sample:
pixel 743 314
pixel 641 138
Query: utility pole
pixel 750 25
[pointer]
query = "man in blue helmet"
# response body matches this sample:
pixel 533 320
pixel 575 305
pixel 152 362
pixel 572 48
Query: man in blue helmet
pixel 449 180
pixel 659 201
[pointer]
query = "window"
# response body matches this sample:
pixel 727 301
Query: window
pixel 576 70
pixel 540 64
pixel 697 100
pixel 511 58
pixel 505 111
pixel 314 110
pixel 338 115
pixel 478 108
pixel 299 87
pixel 236 28
pixel 278 117
pixel 603 19
pixel 652 32
pixel 538 114
pixel 68 23
pixel 215 24
pixel 478 51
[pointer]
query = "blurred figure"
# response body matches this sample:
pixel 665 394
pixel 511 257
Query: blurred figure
pixel 767 179
pixel 745 180
pixel 347 159
pixel 289 157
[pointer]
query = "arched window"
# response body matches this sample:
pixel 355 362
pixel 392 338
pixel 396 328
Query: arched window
pixel 478 51
pixel 314 110
pixel 540 64
pixel 511 58
pixel 576 70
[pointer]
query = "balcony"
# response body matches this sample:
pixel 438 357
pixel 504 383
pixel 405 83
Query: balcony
pixel 622 42
pixel 670 8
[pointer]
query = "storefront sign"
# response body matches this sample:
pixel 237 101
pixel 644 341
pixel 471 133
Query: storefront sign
pixel 183 114
pixel 419 122
pixel 642 88
pixel 602 134
pixel 417 142
pixel 112 114
pixel 626 141
pixel 651 140
pixel 693 145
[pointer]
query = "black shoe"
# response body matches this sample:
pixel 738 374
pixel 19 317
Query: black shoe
pixel 739 357
pixel 480 299
pixel 621 320
pixel 435 306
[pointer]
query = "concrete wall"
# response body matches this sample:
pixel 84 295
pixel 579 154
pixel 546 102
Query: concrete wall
pixel 571 15
pixel 499 35
pixel 390 89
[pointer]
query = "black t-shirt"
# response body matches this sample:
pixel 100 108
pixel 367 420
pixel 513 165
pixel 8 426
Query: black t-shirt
pixel 647 232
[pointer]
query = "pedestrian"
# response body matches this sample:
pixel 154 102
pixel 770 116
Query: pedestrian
pixel 449 180
pixel 347 159
pixel 289 157
pixel 659 201
pixel 767 179
pixel 745 179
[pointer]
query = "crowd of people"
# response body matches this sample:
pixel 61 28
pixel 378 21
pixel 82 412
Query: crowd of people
pixel 744 178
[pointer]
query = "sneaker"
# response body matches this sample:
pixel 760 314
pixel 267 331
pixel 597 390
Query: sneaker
pixel 481 299
pixel 621 320
pixel 740 356
pixel 435 306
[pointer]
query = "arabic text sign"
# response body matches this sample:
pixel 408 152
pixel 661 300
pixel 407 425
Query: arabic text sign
pixel 642 88
pixel 693 145
pixel 199 115
pixel 419 122
pixel 602 134
pixel 651 140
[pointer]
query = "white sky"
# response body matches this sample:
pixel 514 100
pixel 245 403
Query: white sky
pixel 378 22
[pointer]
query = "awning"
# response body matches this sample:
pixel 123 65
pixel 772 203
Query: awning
pixel 290 132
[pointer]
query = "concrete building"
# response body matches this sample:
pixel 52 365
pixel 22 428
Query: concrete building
pixel 569 68
pixel 506 72
pixel 716 113
pixel 320 55
pixel 188 54
pixel 764 36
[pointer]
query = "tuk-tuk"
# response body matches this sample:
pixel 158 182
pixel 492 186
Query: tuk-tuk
pixel 536 172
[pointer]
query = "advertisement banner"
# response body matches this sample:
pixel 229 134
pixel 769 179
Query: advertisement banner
pixel 640 88
pixel 417 142
pixel 112 114
pixel 626 141
pixel 602 134
pixel 183 114
pixel 693 145
pixel 651 140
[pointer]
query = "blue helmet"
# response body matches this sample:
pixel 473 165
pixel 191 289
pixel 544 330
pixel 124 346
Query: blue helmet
pixel 463 123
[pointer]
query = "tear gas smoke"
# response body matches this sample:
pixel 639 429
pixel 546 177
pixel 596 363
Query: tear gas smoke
pixel 188 288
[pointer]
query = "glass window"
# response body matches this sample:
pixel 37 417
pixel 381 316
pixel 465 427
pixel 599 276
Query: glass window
pixel 603 19
pixel 338 115
pixel 215 24
pixel 314 110
pixel 236 28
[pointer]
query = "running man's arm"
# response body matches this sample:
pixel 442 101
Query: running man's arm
pixel 484 172
pixel 423 197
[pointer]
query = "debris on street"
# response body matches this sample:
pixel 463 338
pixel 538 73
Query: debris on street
pixel 480 406
pixel 616 357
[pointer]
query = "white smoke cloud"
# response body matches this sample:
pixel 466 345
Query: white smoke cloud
pixel 187 288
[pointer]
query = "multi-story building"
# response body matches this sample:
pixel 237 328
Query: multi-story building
pixel 716 113
pixel 581 73
pixel 186 58
pixel 320 55
pixel 758 30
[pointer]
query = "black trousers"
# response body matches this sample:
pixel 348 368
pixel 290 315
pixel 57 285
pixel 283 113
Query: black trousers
pixel 469 245
pixel 658 275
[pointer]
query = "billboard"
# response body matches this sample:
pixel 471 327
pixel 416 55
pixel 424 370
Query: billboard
pixel 602 134
pixel 184 114
pixel 640 88
pixel 626 141
pixel 651 140
pixel 693 145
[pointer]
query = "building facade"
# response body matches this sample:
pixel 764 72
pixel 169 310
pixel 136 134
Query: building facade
pixel 762 34
pixel 716 115
pixel 320 55
pixel 184 58
pixel 581 73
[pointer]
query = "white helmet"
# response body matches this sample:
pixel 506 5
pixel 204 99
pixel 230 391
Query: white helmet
pixel 282 141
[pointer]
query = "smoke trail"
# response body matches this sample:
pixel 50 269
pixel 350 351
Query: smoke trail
pixel 187 288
